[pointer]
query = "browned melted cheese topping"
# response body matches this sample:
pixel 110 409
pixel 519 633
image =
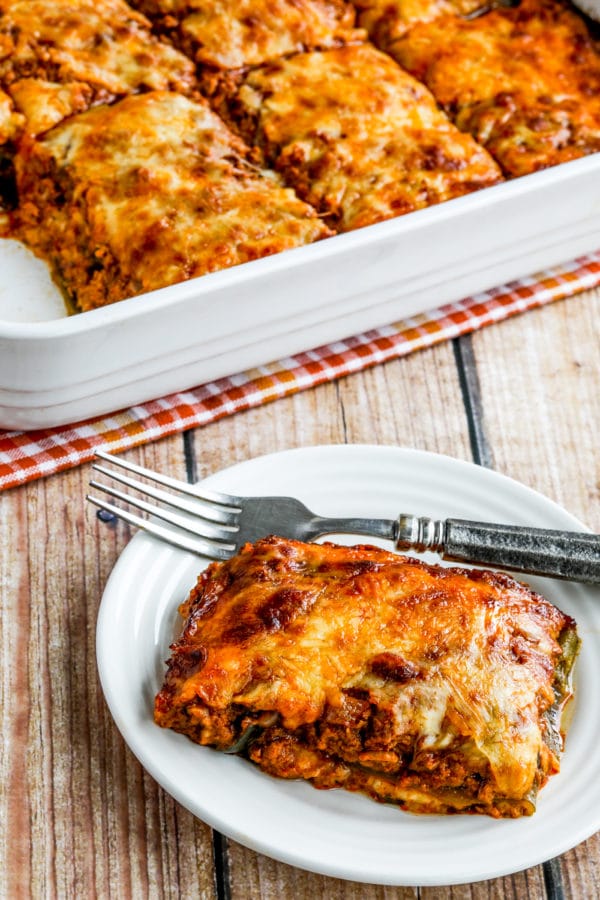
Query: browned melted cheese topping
pixel 152 190
pixel 524 81
pixel 388 20
pixel 58 58
pixel 357 137
pixel 249 32
pixel 359 668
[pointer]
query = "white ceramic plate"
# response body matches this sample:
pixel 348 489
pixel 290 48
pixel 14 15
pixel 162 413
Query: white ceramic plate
pixel 334 832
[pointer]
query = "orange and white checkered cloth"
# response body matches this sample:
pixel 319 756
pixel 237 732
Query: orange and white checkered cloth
pixel 25 456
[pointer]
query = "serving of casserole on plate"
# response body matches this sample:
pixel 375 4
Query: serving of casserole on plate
pixel 255 180
pixel 436 689
pixel 418 684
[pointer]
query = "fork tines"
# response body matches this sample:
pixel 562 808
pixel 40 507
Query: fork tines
pixel 211 517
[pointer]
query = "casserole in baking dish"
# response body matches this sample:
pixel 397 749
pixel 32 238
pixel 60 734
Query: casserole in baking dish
pixel 323 113
pixel 143 192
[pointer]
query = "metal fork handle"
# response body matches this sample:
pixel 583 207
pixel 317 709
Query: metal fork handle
pixel 323 525
pixel 536 551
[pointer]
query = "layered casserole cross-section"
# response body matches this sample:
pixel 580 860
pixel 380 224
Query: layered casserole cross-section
pixel 436 689
pixel 149 191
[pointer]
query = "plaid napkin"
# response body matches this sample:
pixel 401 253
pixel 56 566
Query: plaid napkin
pixel 25 456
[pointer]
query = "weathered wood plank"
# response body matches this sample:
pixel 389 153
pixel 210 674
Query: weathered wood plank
pixel 254 875
pixel 15 855
pixel 413 402
pixel 540 386
pixel 527 885
pixel 581 870
pixel 80 816
pixel 311 417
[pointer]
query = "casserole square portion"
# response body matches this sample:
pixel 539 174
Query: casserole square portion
pixel 436 689
pixel 227 36
pixel 356 136
pixel 147 192
pixel 58 58
pixel 524 81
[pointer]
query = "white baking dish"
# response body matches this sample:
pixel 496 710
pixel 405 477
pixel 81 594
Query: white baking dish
pixel 63 369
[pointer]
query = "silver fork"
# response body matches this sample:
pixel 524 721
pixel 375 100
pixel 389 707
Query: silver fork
pixel 217 525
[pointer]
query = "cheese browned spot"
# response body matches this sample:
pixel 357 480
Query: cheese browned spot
pixel 150 191
pixel 227 35
pixel 524 81
pixel 388 20
pixel 58 58
pixel 357 137
pixel 438 689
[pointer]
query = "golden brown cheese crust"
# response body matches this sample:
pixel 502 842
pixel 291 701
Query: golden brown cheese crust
pixel 525 81
pixel 228 35
pixel 388 20
pixel 357 137
pixel 58 58
pixel 150 191
pixel 354 667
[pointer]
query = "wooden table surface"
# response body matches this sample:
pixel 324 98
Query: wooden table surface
pixel 80 817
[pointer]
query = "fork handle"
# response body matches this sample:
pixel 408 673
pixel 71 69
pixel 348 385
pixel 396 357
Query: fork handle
pixel 537 551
